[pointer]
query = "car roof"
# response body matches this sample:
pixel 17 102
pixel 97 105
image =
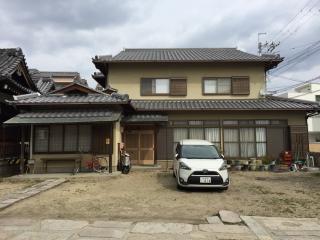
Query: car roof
pixel 194 142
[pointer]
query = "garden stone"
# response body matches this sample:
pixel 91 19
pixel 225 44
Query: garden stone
pixel 229 217
pixel 214 220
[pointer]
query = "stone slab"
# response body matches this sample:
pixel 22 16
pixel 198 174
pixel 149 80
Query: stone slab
pixel 169 228
pixel 229 217
pixel 221 228
pixel 17 221
pixel 257 228
pixel 303 224
pixel 62 225
pixel 214 220
pixel 297 238
pixel 232 236
pixel 92 232
pixel 164 236
pixel 297 233
pixel 111 224
pixel 10 201
pixel 43 235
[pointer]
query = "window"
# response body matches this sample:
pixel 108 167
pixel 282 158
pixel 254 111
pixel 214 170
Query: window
pixel 70 138
pixel 217 86
pixel 247 143
pixel 160 86
pixel 317 98
pixel 62 138
pixel 56 136
pixel 213 135
pixel 226 85
pixel 231 142
pixel 84 138
pixel 179 134
pixel 163 86
pixel 196 133
pixel 261 141
pixel 41 139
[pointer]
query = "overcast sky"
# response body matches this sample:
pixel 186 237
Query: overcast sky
pixel 63 35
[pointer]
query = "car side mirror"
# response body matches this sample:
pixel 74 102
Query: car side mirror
pixel 222 155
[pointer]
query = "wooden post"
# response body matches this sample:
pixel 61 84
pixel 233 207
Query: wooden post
pixel 110 147
pixel 22 149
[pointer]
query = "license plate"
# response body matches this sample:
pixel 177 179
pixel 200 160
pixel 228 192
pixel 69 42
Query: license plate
pixel 205 179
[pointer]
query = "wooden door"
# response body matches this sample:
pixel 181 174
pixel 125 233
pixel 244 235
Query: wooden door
pixel 275 142
pixel 140 146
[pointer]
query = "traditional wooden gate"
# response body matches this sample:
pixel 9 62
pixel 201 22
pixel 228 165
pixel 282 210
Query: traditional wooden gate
pixel 140 145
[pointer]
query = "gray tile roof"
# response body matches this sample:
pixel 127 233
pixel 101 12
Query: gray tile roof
pixel 269 103
pixel 10 58
pixel 146 118
pixel 56 99
pixel 186 55
pixel 65 116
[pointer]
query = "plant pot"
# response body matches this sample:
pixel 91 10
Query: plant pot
pixel 272 167
pixel 237 167
pixel 252 167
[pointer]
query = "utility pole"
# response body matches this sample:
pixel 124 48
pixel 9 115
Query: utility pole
pixel 259 43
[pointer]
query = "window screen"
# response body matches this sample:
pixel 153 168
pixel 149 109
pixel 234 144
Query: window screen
pixel 70 138
pixel 41 139
pixel 56 134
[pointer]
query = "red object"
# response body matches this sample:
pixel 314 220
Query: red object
pixel 286 157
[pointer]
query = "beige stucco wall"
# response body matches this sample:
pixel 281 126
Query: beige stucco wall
pixel 126 77
pixel 293 118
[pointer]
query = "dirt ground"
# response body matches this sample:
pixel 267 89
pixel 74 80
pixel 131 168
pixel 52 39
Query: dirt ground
pixel 152 195
pixel 10 187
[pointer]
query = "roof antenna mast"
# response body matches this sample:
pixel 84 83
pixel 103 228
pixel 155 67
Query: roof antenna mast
pixel 259 43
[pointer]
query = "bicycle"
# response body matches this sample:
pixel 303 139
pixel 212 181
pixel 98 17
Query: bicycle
pixel 97 164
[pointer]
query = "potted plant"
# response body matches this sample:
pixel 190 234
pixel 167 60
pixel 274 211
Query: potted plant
pixel 237 165
pixel 265 163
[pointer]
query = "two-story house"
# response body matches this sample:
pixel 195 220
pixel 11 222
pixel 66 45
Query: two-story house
pixel 156 97
pixel 308 92
pixel 217 94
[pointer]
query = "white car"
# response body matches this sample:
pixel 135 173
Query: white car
pixel 198 163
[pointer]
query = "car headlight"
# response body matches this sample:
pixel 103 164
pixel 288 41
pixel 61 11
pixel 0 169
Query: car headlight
pixel 224 166
pixel 184 166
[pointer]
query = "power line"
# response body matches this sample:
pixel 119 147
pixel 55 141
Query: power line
pixel 295 85
pixel 301 22
pixel 300 56
pixel 292 19
pixel 284 77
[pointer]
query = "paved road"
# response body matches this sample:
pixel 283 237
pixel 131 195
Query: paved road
pixel 252 228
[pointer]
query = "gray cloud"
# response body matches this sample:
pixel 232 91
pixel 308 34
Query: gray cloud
pixel 64 35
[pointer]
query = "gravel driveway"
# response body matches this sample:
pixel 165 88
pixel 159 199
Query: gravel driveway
pixel 146 196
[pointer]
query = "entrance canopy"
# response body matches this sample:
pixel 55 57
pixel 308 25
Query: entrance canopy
pixel 65 116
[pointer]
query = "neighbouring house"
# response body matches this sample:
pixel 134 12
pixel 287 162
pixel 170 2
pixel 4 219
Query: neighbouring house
pixel 48 81
pixel 308 92
pixel 70 125
pixel 14 80
pixel 217 94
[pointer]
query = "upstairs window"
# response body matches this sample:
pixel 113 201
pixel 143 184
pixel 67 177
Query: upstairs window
pixel 217 86
pixel 226 86
pixel 163 86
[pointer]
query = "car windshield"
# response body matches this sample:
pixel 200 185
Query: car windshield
pixel 199 152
